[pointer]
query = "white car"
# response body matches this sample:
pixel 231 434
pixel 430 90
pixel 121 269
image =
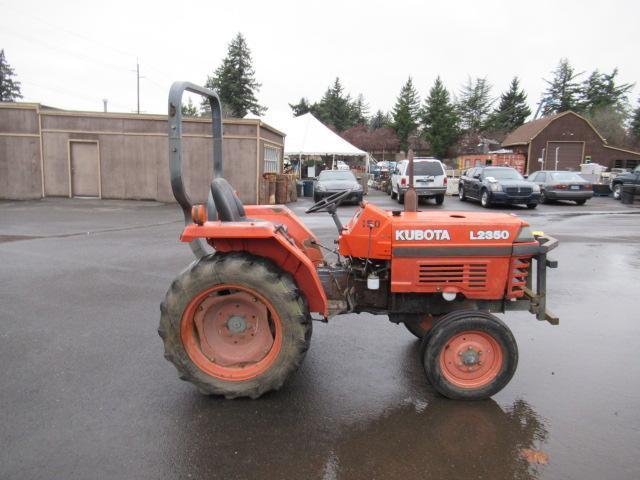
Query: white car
pixel 429 179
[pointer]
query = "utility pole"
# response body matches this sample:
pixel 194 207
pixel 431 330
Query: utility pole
pixel 138 83
pixel 104 103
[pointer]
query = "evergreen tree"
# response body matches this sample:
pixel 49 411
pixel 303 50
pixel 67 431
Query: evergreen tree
pixel 635 123
pixel 610 123
pixel 189 110
pixel 440 120
pixel 360 111
pixel 562 92
pixel 335 108
pixel 300 108
pixel 600 91
pixel 9 88
pixel 405 113
pixel 235 82
pixel 379 120
pixel 475 104
pixel 513 109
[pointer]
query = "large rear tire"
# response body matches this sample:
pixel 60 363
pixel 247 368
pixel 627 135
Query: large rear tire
pixel 439 199
pixel 469 355
pixel 234 324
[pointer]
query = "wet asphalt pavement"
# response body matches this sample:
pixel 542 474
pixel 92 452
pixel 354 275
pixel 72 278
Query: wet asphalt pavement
pixel 86 393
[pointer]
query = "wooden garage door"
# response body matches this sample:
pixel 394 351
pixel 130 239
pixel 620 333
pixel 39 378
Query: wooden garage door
pixel 569 155
pixel 85 169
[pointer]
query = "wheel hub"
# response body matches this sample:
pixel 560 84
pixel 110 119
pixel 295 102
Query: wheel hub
pixel 233 330
pixel 471 359
pixel 236 324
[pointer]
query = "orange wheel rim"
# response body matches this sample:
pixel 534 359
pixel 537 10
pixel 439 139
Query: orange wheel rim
pixel 471 359
pixel 231 332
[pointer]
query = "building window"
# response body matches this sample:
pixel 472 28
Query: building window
pixel 271 160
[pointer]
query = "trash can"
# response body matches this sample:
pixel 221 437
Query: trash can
pixel 308 188
pixel 300 188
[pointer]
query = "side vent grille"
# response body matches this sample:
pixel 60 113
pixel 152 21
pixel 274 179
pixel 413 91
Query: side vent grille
pixel 518 279
pixel 470 275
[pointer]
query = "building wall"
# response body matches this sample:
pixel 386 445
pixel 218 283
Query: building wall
pixel 133 152
pixel 515 160
pixel 20 160
pixel 571 128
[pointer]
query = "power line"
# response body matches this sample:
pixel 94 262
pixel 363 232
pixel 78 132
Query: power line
pixel 67 51
pixel 84 37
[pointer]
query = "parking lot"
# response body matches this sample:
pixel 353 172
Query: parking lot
pixel 86 393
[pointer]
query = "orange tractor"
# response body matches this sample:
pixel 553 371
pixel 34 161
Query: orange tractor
pixel 238 322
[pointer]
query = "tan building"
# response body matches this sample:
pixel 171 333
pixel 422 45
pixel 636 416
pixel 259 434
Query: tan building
pixel 45 152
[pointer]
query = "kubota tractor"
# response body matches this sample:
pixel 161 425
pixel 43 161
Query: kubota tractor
pixel 238 322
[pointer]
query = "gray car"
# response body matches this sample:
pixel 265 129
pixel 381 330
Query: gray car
pixel 334 181
pixel 557 185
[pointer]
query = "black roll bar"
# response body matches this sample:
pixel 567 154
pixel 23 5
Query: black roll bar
pixel 175 152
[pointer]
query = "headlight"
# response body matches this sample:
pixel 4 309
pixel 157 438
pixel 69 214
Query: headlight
pixel 525 235
pixel 357 188
pixel 495 187
pixel 535 188
pixel 320 187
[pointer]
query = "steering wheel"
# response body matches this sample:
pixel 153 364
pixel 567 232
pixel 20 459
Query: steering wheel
pixel 325 203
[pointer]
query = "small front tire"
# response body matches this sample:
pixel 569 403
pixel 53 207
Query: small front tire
pixel 470 356
pixel 531 206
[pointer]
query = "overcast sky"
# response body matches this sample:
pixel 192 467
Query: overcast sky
pixel 72 54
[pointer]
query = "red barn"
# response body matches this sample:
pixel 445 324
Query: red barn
pixel 563 141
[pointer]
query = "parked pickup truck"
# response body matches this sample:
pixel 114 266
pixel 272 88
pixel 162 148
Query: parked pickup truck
pixel 631 177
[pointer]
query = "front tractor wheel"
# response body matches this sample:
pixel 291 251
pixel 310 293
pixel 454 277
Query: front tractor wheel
pixel 235 325
pixel 470 356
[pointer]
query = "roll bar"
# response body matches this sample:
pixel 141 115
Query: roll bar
pixel 175 152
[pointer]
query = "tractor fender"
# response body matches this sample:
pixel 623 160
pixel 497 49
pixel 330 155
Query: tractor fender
pixel 262 239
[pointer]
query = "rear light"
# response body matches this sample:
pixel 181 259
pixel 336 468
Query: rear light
pixel 403 181
pixel 561 187
pixel 587 186
pixel 445 180
pixel 199 214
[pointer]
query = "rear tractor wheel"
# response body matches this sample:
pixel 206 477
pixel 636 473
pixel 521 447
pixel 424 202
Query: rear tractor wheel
pixel 235 325
pixel 469 355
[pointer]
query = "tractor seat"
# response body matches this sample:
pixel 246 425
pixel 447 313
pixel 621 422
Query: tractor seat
pixel 228 205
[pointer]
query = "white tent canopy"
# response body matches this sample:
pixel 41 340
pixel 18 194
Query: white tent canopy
pixel 306 135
